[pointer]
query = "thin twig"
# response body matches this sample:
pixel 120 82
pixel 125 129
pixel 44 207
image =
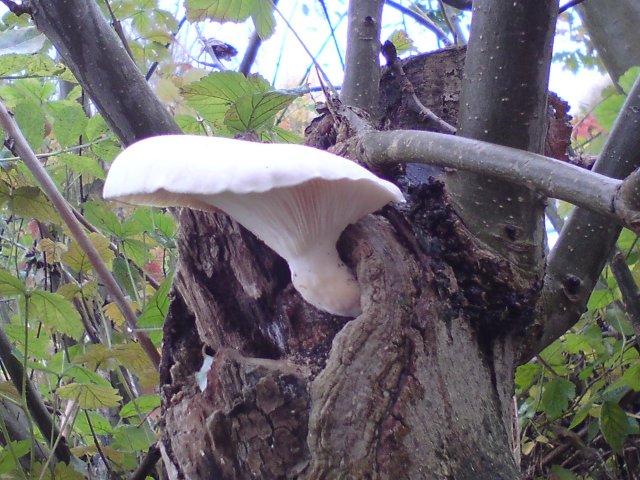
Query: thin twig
pixel 308 52
pixel 409 97
pixel 422 20
pixel 117 26
pixel 34 401
pixel 97 444
pixel 18 9
pixel 155 64
pixel 568 5
pixel 21 147
pixel 333 32
pixel 148 463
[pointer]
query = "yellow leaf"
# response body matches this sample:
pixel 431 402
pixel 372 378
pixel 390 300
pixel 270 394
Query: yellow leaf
pixel 90 395
pixel 76 258
pixel 53 250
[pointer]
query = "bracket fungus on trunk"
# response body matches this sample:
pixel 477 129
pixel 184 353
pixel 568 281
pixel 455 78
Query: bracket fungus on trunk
pixel 296 199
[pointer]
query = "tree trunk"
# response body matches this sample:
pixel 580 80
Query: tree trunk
pixel 613 28
pixel 418 386
pixel 415 387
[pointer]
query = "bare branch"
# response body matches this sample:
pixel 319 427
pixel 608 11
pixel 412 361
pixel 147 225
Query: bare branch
pixel 409 97
pixel 19 144
pixel 547 176
pixel 95 55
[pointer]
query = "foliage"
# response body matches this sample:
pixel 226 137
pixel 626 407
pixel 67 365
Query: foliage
pixel 584 389
pixel 100 388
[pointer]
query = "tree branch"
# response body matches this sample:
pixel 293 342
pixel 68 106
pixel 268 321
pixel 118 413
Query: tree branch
pixel 571 275
pixel 362 67
pixel 95 55
pixel 507 109
pixel 544 175
pixel 19 144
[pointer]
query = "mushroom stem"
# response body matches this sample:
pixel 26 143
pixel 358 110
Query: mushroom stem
pixel 325 281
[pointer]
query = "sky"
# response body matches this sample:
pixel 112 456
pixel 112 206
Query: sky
pixel 283 61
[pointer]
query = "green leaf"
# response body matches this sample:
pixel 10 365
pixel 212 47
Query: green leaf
pixel 632 377
pixel 250 112
pixel 100 424
pixel 155 311
pixel 260 11
pixel 82 165
pixel 556 396
pixel 100 216
pixel 21 41
pixel 527 374
pixel 401 41
pixel 600 299
pixel 90 395
pixel 39 345
pixel 30 118
pixel 69 121
pixel 613 425
pixel 133 437
pixel 76 258
pixel 19 449
pixel 30 202
pixel 628 78
pixel 56 312
pixel 212 96
pixel 560 473
pixel 84 376
pixel 140 406
pixel 10 285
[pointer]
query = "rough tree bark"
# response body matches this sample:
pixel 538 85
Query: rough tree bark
pixel 418 386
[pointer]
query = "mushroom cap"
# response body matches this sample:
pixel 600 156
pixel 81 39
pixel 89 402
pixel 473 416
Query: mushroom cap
pixel 247 179
pixel 292 197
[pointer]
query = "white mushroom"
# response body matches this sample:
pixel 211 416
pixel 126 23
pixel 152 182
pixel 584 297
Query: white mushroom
pixel 296 199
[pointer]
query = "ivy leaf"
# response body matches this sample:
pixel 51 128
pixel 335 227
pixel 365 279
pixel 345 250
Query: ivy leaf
pixel 69 121
pixel 613 425
pixel 76 258
pixel 10 285
pixel 250 112
pixel 90 395
pixel 56 312
pixel 260 11
pixel 556 396
pixel 21 41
